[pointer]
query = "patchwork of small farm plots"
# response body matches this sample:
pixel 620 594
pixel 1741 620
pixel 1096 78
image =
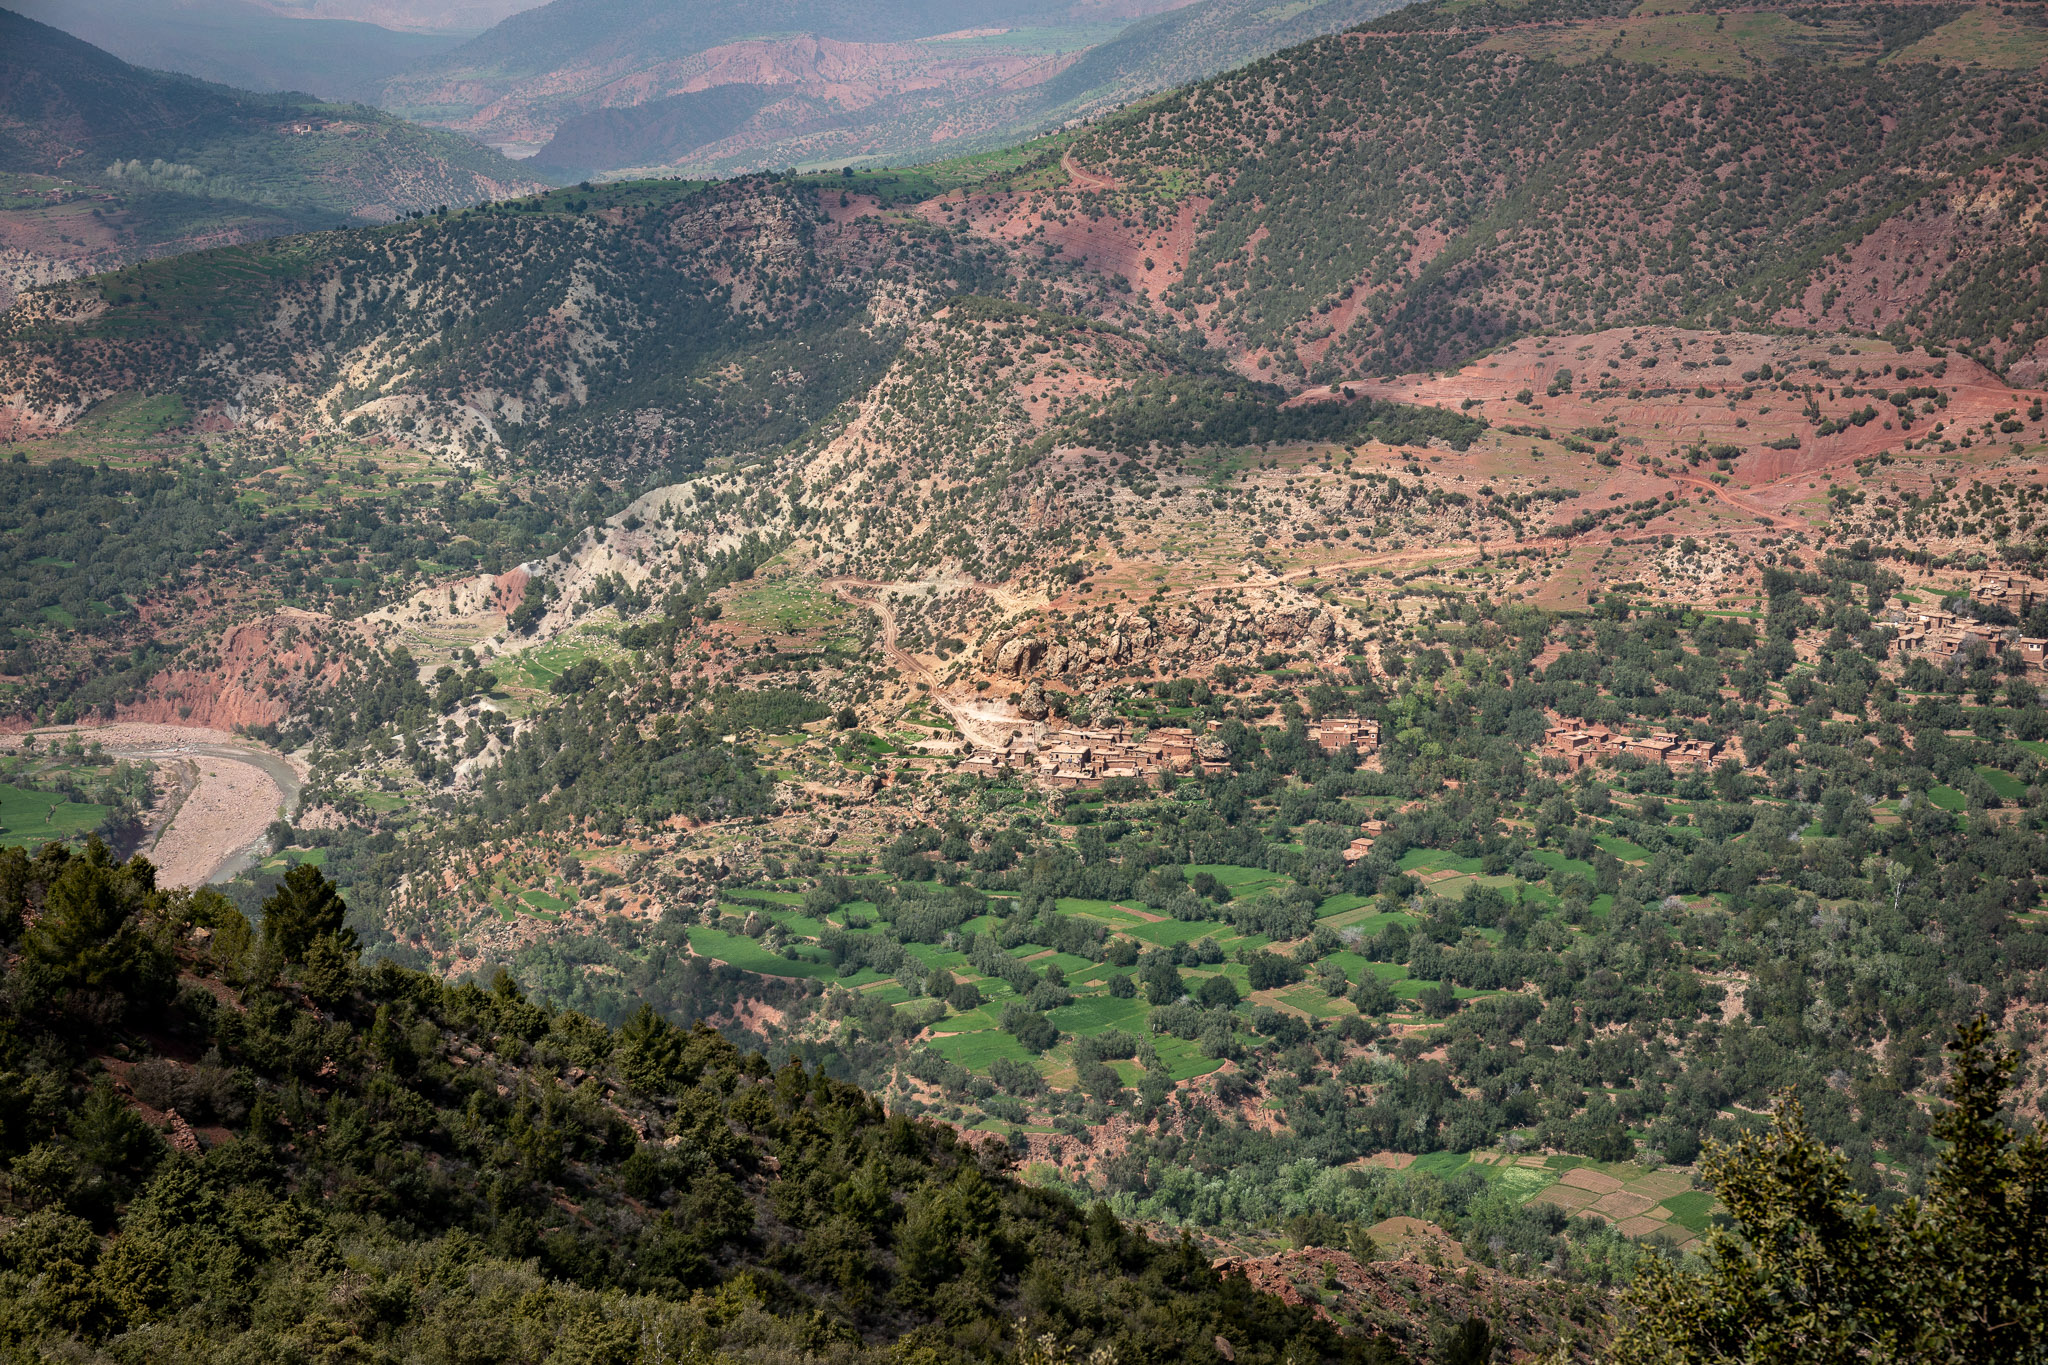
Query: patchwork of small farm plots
pixel 767 930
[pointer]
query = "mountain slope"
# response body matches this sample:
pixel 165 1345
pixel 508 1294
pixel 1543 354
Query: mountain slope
pixel 515 83
pixel 1023 82
pixel 238 43
pixel 1412 193
pixel 461 17
pixel 663 132
pixel 105 162
pixel 1182 45
pixel 282 1154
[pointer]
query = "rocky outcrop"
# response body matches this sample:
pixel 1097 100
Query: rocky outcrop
pixel 1013 655
pixel 1181 638
pixel 2031 370
pixel 252 676
pixel 509 589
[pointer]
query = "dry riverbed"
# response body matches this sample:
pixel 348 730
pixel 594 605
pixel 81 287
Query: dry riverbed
pixel 231 791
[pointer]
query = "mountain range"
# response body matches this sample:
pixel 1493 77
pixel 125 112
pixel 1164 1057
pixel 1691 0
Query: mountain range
pixel 610 86
pixel 628 92
pixel 105 163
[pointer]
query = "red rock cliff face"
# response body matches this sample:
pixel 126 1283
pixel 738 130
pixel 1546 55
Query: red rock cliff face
pixel 508 590
pixel 251 677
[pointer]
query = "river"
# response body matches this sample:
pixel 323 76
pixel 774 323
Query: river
pixel 221 827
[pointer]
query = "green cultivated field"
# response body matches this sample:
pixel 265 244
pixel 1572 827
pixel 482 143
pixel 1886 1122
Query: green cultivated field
pixel 30 818
pixel 974 1039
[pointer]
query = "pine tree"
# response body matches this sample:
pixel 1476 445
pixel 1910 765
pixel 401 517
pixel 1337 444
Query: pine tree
pixel 304 908
pixel 89 936
pixel 1814 1272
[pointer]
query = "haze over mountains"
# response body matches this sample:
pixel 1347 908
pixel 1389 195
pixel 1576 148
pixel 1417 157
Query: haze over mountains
pixel 623 85
pixel 1011 87
pixel 1348 667
pixel 243 44
pixel 602 86
pixel 104 163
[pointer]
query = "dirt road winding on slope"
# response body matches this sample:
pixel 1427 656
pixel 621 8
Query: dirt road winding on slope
pixel 1084 180
pixel 976 722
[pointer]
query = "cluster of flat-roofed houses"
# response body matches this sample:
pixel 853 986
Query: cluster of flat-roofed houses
pixel 1077 757
pixel 1940 633
pixel 1944 634
pixel 1088 757
pixel 1579 745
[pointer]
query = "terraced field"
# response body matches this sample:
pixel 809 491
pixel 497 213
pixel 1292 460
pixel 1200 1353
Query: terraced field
pixel 974 1038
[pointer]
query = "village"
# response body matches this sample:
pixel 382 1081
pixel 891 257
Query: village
pixel 1946 635
pixel 1579 745
pixel 1066 758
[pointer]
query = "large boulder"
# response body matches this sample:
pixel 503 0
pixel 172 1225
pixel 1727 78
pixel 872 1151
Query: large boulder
pixel 1015 656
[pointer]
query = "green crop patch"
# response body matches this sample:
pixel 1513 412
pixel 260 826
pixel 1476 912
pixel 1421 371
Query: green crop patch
pixel 1315 1003
pixel 1622 848
pixel 749 956
pixel 1428 860
pixel 1105 912
pixel 1692 1210
pixel 1242 881
pixel 32 818
pixel 977 1050
pixel 1095 1013
pixel 2008 787
pixel 1169 931
pixel 1558 864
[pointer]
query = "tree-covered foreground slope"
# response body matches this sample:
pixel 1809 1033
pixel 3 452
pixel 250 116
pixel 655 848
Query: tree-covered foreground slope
pixel 220 1144
pixel 216 1142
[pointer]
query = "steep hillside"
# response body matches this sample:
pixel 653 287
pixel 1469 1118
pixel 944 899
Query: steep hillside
pixel 106 163
pixel 220 1142
pixel 738 314
pixel 1412 193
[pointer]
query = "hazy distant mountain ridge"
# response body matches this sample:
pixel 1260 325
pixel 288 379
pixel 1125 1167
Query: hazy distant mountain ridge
pixel 570 55
pixel 659 132
pixel 1157 53
pixel 108 163
pixel 238 43
pixel 855 84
